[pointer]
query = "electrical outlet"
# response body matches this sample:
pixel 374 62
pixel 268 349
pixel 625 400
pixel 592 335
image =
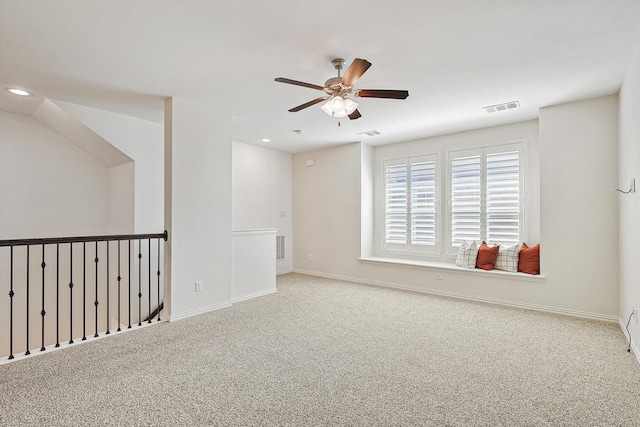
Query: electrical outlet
pixel 310 258
pixel 438 276
pixel 199 286
pixel 635 314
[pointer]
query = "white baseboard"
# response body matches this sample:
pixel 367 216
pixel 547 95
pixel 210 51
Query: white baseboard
pixel 253 295
pixel 226 304
pixel 470 297
pixel 197 311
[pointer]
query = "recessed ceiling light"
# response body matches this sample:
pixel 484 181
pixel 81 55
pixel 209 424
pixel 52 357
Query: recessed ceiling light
pixel 20 92
pixel 298 131
pixel 265 140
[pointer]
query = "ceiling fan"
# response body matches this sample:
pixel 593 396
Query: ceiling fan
pixel 338 89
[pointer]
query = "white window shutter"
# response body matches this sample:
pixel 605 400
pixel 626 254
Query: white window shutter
pixel 396 203
pixel 503 198
pixel 423 203
pixel 410 204
pixel 466 199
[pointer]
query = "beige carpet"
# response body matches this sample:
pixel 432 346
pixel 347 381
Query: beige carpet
pixel 325 352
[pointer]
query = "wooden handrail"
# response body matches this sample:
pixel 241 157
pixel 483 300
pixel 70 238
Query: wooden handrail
pixel 53 240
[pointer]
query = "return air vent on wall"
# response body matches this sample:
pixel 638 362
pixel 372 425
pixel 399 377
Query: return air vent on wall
pixel 502 107
pixel 279 247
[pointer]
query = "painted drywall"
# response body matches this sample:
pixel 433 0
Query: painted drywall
pixel 261 193
pixel 578 170
pixel 327 200
pixel 48 186
pixel 629 204
pixel 198 198
pixel 254 263
pixel 326 210
pixel 141 140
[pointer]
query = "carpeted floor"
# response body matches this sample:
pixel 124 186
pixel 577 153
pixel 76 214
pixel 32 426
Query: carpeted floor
pixel 325 352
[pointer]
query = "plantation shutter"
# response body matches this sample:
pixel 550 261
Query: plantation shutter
pixel 411 204
pixel 423 203
pixel 396 203
pixel 503 198
pixel 466 199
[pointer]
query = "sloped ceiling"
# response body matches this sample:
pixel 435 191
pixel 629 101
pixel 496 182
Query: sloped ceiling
pixel 454 57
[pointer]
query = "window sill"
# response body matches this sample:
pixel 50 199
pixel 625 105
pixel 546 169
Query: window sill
pixel 445 266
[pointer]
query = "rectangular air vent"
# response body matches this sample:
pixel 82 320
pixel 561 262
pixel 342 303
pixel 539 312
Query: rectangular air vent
pixel 279 247
pixel 369 133
pixel 502 107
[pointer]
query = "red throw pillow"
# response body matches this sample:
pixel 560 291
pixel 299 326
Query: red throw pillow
pixel 529 261
pixel 487 256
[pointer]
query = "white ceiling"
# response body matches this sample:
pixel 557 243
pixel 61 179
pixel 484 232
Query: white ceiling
pixel 453 56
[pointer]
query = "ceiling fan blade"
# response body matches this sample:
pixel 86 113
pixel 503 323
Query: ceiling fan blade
pixel 355 115
pixel 355 71
pixel 308 104
pixel 297 83
pixel 382 93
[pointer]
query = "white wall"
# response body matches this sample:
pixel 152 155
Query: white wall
pixel 261 193
pixel 142 140
pixel 629 204
pixel 327 219
pixel 254 263
pixel 579 227
pixel 197 206
pixel 326 211
pixel 48 186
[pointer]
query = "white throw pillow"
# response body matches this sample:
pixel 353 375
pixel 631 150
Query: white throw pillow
pixel 467 254
pixel 508 258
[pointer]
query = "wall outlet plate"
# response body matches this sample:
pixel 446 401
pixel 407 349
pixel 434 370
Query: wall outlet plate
pixel 199 286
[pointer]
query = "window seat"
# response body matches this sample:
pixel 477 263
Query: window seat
pixel 451 267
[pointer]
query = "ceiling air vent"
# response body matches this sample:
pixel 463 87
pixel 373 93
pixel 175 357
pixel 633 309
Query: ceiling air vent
pixel 369 133
pixel 502 107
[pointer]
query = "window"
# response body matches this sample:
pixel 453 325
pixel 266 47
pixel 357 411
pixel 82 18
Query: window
pixel 410 204
pixel 486 199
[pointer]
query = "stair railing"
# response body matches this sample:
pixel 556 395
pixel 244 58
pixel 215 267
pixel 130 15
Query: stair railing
pixel 98 277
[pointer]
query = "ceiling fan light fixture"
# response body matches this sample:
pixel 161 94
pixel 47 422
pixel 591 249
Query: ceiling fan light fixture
pixel 326 107
pixel 337 103
pixel 337 106
pixel 350 105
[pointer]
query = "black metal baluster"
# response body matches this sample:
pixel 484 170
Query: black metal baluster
pixel 11 295
pixel 119 278
pixel 149 262
pixel 71 293
pixel 57 294
pixel 27 352
pixel 158 280
pixel 139 282
pixel 108 312
pixel 95 303
pixel 129 258
pixel 84 291
pixel 42 312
